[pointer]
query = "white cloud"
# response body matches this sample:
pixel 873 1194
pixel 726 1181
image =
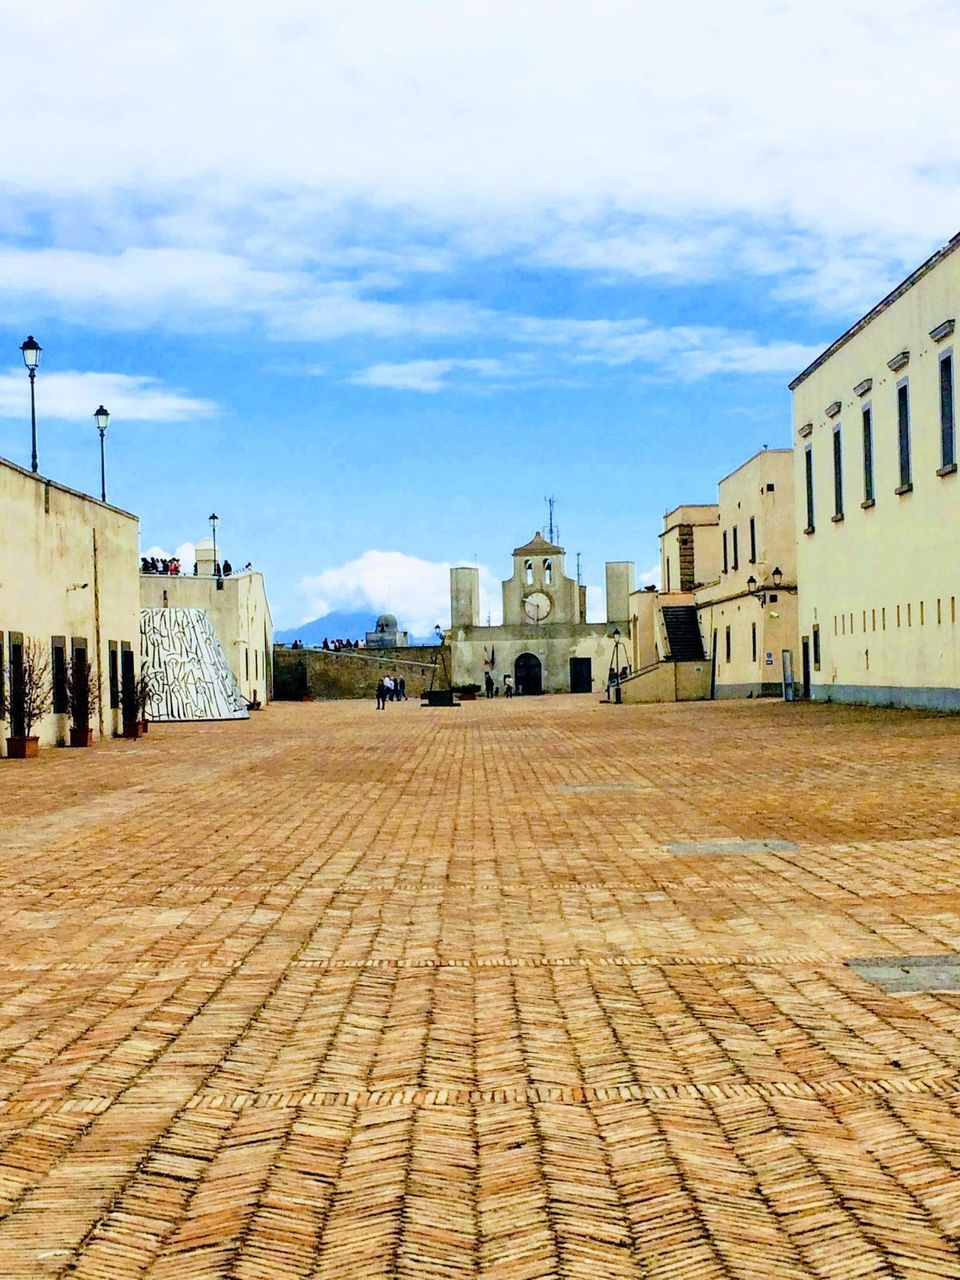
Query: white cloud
pixel 425 375
pixel 771 108
pixel 416 591
pixel 73 397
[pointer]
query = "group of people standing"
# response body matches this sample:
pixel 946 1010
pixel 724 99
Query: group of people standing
pixel 391 689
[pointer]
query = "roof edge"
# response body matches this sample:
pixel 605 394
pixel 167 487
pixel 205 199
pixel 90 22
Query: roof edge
pixel 881 306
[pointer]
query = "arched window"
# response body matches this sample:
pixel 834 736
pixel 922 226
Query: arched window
pixel 528 571
pixel 548 571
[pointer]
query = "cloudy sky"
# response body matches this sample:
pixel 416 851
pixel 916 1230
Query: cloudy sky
pixel 372 278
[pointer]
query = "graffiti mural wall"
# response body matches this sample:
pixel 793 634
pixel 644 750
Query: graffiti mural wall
pixel 181 652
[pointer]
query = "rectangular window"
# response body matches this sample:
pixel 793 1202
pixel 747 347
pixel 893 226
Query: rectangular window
pixel 113 658
pixel 921 613
pixel 736 548
pixel 837 474
pixel 728 643
pixel 898 615
pixel 816 646
pixel 808 472
pixel 948 446
pixel 868 454
pixel 873 619
pixel 58 675
pixel 753 640
pixel 903 436
pixel 726 562
pixel 753 540
pixel 883 619
pixel 939 612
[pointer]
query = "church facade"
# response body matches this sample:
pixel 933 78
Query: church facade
pixel 545 644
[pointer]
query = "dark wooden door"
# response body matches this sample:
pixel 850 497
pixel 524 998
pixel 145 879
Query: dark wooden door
pixel 581 675
pixel 528 675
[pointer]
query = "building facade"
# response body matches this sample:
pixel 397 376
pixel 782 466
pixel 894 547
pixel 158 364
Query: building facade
pixel 725 623
pixel 878 500
pixel 545 644
pixel 68 581
pixel 748 613
pixel 237 607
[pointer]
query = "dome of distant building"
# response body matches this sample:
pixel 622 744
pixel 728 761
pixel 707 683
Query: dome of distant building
pixel 386 634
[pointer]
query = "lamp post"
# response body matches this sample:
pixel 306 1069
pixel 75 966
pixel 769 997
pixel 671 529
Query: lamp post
pixel 30 351
pixel 214 521
pixel 102 417
pixel 615 668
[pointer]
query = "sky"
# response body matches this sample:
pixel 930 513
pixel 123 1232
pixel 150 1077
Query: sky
pixel 370 279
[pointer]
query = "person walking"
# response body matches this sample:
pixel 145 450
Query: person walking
pixel 401 689
pixel 508 686
pixel 388 686
pixel 381 694
pixel 488 684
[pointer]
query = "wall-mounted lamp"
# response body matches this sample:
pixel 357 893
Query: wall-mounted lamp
pixel 760 593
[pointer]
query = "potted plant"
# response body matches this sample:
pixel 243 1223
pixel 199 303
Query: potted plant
pixel 83 698
pixel 29 699
pixel 144 691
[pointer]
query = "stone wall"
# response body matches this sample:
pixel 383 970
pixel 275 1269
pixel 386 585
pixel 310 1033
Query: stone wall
pixel 353 673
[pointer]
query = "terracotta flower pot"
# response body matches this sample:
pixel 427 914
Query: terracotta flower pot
pixel 23 748
pixel 144 726
pixel 133 730
pixel 81 737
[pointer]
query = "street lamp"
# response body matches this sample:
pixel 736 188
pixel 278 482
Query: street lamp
pixel 214 521
pixel 30 351
pixel 614 675
pixel 102 417
pixel 760 593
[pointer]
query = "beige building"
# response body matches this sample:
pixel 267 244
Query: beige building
pixel 879 499
pixel 545 644
pixel 748 613
pixel 725 623
pixel 68 579
pixel 236 606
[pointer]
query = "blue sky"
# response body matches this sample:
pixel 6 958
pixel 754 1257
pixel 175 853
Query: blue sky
pixel 371 279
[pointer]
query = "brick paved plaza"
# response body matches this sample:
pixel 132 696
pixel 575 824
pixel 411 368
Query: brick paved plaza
pixel 530 989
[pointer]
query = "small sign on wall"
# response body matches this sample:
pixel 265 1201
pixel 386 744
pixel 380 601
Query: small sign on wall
pixel 769 660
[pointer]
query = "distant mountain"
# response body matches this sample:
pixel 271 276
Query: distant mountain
pixel 338 626
pixel 333 626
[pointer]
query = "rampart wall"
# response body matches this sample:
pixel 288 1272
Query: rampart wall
pixel 353 673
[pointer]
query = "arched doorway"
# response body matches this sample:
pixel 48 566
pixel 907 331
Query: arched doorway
pixel 528 674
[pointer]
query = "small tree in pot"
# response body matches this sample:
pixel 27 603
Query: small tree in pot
pixel 144 691
pixel 29 698
pixel 83 698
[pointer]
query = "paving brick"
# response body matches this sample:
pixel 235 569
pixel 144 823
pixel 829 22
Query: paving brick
pixel 540 989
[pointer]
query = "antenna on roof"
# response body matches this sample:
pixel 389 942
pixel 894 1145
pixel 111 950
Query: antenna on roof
pixel 550 502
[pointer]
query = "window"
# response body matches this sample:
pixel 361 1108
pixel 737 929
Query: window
pixel 61 702
pixel 753 540
pixel 726 562
pixel 816 646
pixel 903 436
pixel 528 571
pixel 736 548
pixel 753 640
pixel 727 639
pixel 948 446
pixel 668 572
pixel 837 474
pixel 868 455
pixel 548 571
pixel 246 663
pixel 114 674
pixel 808 473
